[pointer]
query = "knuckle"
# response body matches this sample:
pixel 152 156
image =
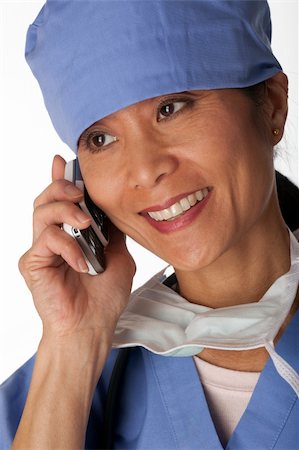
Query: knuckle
pixel 23 262
pixel 37 202
pixel 36 212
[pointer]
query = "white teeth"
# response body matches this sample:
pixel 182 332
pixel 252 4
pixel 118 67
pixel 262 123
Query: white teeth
pixel 192 199
pixel 185 204
pixel 176 209
pixel 158 215
pixel 166 214
pixel 179 207
pixel 199 195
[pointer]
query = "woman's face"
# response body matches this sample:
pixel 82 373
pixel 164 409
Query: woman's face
pixel 158 158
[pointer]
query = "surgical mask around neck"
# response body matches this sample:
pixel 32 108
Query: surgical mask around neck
pixel 160 320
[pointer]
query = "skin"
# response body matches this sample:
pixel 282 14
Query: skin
pixel 238 245
pixel 153 161
pixel 229 247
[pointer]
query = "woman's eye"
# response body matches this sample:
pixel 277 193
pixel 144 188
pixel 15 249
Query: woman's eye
pixel 99 140
pixel 169 109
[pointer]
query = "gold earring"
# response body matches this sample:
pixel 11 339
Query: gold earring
pixel 276 131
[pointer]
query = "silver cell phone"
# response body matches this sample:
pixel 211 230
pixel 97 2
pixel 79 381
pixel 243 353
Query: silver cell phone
pixel 93 239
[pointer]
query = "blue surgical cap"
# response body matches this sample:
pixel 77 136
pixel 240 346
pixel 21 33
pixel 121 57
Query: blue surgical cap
pixel 94 57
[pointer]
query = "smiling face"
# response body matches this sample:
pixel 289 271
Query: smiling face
pixel 185 175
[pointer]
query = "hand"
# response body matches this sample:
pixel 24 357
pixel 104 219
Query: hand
pixel 68 300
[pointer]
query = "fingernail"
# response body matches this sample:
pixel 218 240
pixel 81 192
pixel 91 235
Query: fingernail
pixel 82 217
pixel 82 265
pixel 72 190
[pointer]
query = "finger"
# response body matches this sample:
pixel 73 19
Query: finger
pixel 58 167
pixel 57 213
pixel 52 245
pixel 58 190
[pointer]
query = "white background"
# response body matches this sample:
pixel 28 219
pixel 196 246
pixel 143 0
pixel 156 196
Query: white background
pixel 28 144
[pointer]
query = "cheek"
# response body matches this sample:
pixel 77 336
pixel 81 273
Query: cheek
pixel 239 162
pixel 217 140
pixel 103 188
pixel 234 147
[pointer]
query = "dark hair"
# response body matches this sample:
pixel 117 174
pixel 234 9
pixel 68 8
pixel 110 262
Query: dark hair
pixel 288 197
pixel 256 93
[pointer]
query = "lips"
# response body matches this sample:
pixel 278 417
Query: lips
pixel 181 211
pixel 177 206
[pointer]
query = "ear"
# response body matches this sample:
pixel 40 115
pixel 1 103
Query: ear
pixel 277 104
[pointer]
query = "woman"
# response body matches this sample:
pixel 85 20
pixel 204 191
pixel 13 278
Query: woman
pixel 173 109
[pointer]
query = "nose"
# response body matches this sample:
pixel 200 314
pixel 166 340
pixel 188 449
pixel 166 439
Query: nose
pixel 149 162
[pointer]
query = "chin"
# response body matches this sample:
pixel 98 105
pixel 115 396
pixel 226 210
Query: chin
pixel 193 257
pixel 192 264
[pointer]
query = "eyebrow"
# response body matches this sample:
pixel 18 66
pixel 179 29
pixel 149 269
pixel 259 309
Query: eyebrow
pixel 171 94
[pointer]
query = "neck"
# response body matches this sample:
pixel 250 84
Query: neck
pixel 244 273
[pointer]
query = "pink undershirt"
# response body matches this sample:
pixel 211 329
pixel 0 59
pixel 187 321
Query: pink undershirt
pixel 227 393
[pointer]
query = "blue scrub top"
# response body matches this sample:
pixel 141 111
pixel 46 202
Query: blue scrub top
pixel 162 405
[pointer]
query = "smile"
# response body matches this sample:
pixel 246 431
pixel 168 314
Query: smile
pixel 180 207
